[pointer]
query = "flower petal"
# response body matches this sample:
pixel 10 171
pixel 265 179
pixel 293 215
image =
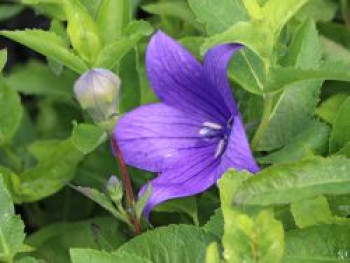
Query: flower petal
pixel 158 137
pixel 178 80
pixel 215 67
pixel 195 176
pixel 238 154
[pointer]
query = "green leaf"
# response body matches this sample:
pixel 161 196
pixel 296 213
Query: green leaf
pixel 179 10
pixel 313 140
pixel 340 134
pixel 329 108
pixel 54 47
pixel 279 12
pixel 57 164
pixel 287 183
pixel 285 77
pixel 256 238
pixel 95 256
pixel 82 30
pixel 215 16
pixel 130 86
pixel 212 254
pixel 323 10
pixel 11 227
pixel 87 137
pixel 142 201
pixel 296 103
pixel 325 243
pixel 34 78
pixel 54 241
pixel 10 112
pixel 182 205
pixel 248 34
pixel 310 212
pixel 101 199
pixel 334 51
pixel 29 260
pixel 3 59
pixel 112 18
pixel 111 54
pixel 174 243
pixel 215 225
pixel 9 10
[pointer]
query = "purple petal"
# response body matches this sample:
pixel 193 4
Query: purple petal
pixel 158 137
pixel 215 67
pixel 178 79
pixel 193 177
pixel 238 154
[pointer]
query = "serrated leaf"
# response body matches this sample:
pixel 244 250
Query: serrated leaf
pixel 314 140
pixel 215 225
pixel 179 10
pixel 11 227
pixel 215 16
pixel 82 30
pixel 95 256
pixel 10 112
pixel 54 47
pixel 340 134
pixel 298 102
pixel 86 137
pixel 314 211
pixel 171 244
pixel 287 183
pixel 325 243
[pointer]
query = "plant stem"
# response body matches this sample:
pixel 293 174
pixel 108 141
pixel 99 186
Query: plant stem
pixel 264 123
pixel 130 201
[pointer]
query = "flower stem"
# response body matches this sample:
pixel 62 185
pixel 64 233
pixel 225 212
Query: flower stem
pixel 264 123
pixel 130 200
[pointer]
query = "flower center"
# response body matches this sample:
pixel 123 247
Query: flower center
pixel 214 131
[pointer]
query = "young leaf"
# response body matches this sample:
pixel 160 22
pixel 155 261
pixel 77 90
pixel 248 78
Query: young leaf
pixel 54 47
pixel 287 183
pixel 212 254
pixel 174 243
pixel 10 112
pixel 214 14
pixel 82 30
pixel 89 255
pixel 11 227
pixel 340 134
pixel 140 204
pixel 9 10
pixel 310 212
pixel 252 239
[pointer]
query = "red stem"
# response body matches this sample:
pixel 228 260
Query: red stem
pixel 130 201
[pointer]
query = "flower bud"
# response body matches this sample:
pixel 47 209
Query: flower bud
pixel 98 93
pixel 115 189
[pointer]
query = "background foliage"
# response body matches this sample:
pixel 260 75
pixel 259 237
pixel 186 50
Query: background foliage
pixel 291 82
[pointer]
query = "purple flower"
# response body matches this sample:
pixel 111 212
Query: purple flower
pixel 195 133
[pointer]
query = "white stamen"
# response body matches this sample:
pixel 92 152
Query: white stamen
pixel 220 148
pixel 212 125
pixel 205 131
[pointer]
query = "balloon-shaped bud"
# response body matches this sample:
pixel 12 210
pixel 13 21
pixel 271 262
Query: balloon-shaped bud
pixel 98 92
